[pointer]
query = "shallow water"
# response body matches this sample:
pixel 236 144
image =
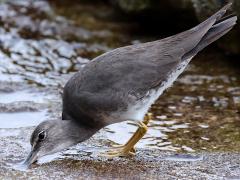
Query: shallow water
pixel 199 113
pixel 185 158
pixel 21 119
pixel 24 95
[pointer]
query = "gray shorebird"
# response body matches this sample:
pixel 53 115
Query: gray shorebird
pixel 121 85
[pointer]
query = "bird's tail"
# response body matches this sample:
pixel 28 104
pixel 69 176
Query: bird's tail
pixel 220 28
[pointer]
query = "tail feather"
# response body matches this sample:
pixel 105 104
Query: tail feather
pixel 217 16
pixel 213 34
pixel 188 40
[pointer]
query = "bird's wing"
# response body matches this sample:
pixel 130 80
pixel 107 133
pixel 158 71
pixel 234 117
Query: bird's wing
pixel 139 68
pixel 134 70
pixel 131 69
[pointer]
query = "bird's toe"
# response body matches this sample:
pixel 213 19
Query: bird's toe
pixel 119 151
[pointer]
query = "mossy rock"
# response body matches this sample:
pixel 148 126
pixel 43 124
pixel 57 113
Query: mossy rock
pixel 132 6
pixel 178 10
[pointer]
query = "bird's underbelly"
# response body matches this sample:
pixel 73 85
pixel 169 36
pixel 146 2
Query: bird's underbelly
pixel 137 110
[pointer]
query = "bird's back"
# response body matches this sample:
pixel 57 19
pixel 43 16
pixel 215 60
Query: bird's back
pixel 122 78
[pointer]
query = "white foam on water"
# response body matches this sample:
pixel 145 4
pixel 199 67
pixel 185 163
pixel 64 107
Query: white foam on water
pixel 22 119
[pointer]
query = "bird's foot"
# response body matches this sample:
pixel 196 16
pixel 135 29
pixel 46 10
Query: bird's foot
pixel 121 146
pixel 128 148
pixel 119 151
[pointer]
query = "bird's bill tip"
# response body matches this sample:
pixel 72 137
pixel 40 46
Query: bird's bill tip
pixel 31 158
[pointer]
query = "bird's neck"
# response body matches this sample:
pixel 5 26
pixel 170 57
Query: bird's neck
pixel 78 132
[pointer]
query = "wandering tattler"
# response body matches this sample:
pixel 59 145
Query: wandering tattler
pixel 121 85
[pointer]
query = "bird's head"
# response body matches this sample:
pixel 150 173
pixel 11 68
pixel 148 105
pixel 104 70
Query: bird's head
pixel 53 136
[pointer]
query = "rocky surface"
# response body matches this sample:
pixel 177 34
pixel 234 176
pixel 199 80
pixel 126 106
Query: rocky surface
pixel 148 164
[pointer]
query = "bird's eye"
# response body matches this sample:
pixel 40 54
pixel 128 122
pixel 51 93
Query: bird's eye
pixel 41 135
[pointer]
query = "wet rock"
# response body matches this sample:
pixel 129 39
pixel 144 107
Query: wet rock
pixel 202 8
pixel 193 9
pixel 141 6
pixel 39 45
pixel 20 107
pixel 205 8
pixel 132 6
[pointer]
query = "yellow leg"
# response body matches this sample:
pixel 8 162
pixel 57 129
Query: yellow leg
pixel 145 121
pixel 128 148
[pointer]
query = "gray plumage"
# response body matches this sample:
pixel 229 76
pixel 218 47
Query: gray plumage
pixel 118 78
pixel 122 84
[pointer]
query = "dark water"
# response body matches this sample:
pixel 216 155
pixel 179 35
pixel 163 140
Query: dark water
pixel 42 45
